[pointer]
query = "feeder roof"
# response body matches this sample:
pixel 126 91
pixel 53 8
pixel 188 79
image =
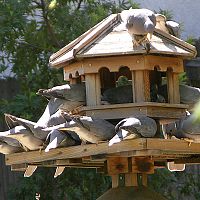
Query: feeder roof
pixel 111 38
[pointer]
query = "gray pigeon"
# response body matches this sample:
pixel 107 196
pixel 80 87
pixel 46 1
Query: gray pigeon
pixel 9 145
pixel 140 23
pixel 134 127
pixel 188 129
pixel 59 138
pixel 173 28
pixel 121 94
pixel 24 136
pixel 74 92
pixel 91 129
pixel 51 110
pixel 188 94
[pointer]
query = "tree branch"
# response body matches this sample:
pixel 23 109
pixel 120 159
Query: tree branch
pixel 49 27
pixel 79 4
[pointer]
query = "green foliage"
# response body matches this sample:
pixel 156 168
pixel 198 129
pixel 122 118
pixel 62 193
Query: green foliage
pixel 167 13
pixel 73 184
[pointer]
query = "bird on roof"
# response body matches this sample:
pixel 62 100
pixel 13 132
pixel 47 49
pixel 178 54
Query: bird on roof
pixel 140 24
pixel 134 127
pixel 173 28
pixel 90 129
pixel 74 95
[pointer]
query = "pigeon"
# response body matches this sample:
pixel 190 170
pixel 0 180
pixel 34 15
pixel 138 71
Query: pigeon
pixel 9 145
pixel 134 127
pixel 114 95
pixel 74 95
pixel 188 129
pixel 59 138
pixel 56 121
pixel 89 129
pixel 38 132
pixel 140 23
pixel 173 28
pixel 51 111
pixel 25 137
pixel 188 94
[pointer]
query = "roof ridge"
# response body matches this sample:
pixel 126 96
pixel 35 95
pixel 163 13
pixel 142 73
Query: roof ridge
pixel 83 39
pixel 175 40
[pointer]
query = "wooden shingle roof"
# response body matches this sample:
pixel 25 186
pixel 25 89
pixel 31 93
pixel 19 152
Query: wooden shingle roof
pixel 111 38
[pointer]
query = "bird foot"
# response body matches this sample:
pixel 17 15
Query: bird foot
pixel 189 141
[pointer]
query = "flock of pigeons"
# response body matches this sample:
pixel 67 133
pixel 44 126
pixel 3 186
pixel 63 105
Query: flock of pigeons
pixel 57 126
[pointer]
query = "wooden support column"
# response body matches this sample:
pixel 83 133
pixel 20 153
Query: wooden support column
pixel 146 86
pixel 144 179
pixel 176 88
pixel 173 87
pixel 93 90
pixel 115 180
pixel 142 85
pixel 73 81
pixel 133 85
pixel 131 179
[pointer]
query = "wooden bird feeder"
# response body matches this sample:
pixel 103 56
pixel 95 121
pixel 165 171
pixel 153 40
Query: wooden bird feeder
pixel 98 58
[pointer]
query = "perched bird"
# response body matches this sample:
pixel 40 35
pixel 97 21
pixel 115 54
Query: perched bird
pixel 174 28
pixel 161 22
pixel 188 94
pixel 59 138
pixel 134 127
pixel 37 132
pixel 188 129
pixel 74 95
pixel 25 137
pixel 9 145
pixel 140 23
pixel 124 94
pixel 91 129
pixel 52 114
pixel 121 94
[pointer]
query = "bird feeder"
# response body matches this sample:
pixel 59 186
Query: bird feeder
pixel 98 58
pixel 105 52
